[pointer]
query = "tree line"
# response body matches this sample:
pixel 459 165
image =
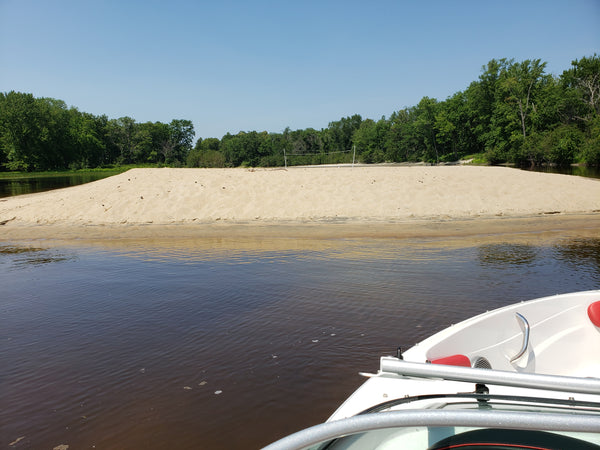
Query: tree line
pixel 39 134
pixel 514 112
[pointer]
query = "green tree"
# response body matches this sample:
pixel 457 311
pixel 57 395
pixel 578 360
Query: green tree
pixel 34 132
pixel 89 147
pixel 370 139
pixel 453 137
pixel 120 138
pixel 521 82
pixel 481 100
pixel 338 135
pixel 402 143
pixel 20 130
pixel 206 153
pixel 590 150
pixel 181 136
pixel 246 148
pixel 208 144
pixel 560 145
pixel 424 124
pixel 584 78
pixel 308 142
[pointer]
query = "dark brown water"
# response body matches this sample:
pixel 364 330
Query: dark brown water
pixel 225 343
pixel 40 183
pixel 581 171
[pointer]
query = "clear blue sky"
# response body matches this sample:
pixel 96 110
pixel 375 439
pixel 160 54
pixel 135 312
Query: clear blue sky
pixel 234 66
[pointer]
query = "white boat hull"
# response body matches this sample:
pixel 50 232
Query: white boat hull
pixel 530 366
pixel 562 341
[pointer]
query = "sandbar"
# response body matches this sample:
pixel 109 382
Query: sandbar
pixel 349 201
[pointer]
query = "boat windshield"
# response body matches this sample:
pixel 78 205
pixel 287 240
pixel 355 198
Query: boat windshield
pixel 469 421
pixel 487 401
pixel 468 438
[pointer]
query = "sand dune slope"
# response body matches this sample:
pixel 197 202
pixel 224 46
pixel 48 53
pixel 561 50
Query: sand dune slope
pixel 163 196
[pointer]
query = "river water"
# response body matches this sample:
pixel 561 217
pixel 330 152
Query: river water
pixel 226 343
pixel 30 185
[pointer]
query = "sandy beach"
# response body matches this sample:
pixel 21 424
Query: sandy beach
pixel 381 195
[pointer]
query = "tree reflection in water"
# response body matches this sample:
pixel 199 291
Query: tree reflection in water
pixel 581 253
pixel 22 256
pixel 507 255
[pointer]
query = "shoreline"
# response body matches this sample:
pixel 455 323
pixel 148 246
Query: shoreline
pixel 363 201
pixel 482 227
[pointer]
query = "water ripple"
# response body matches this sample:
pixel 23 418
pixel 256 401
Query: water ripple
pixel 146 344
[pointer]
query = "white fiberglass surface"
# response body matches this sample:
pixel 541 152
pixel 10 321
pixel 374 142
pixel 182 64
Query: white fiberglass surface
pixel 558 327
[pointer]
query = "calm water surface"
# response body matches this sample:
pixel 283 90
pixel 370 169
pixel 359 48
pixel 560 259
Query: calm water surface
pixel 31 185
pixel 225 343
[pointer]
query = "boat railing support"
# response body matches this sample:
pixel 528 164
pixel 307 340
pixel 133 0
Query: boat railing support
pixel 558 383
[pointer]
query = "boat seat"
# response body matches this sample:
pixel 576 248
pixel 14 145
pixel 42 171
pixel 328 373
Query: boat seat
pixel 454 360
pixel 594 313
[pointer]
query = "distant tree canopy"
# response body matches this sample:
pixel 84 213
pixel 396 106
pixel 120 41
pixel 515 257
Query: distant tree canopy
pixel 514 113
pixel 43 134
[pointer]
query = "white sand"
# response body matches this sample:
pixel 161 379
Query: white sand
pixel 359 194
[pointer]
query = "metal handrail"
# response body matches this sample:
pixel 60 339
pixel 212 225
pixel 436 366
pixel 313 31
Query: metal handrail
pixel 484 397
pixel 558 383
pixel 525 337
pixel 438 418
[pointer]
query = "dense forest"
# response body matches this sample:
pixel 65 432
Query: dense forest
pixel 514 112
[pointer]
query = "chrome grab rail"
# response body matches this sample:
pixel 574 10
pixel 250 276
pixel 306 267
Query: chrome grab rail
pixel 436 417
pixel 525 337
pixel 391 365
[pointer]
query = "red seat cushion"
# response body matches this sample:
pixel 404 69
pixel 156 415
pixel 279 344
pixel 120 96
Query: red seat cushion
pixel 458 360
pixel 594 313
